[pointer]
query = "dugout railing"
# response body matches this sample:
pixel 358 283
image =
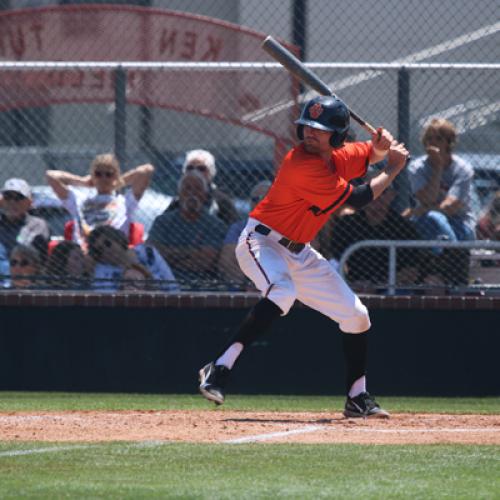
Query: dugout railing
pixel 394 245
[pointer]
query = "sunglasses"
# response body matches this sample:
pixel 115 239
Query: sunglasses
pixel 104 173
pixel 20 262
pixel 104 243
pixel 200 168
pixel 13 196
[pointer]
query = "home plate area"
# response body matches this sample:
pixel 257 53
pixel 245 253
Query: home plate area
pixel 234 427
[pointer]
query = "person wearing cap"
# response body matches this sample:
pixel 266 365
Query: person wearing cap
pixel 17 225
pixel 219 203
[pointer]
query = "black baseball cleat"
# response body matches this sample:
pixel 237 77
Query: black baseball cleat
pixel 363 405
pixel 213 380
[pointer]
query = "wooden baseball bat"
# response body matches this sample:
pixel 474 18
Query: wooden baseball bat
pixel 305 75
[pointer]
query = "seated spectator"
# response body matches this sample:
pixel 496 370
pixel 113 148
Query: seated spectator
pixel 219 203
pixel 136 277
pixel 488 226
pixel 229 269
pixel 441 183
pixel 108 249
pixel 17 226
pixel 67 267
pixel 25 268
pixel 442 186
pixel 189 238
pixel 102 205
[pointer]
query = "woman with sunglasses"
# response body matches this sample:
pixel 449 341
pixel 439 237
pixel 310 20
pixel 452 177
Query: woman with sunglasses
pixel 103 204
pixel 25 268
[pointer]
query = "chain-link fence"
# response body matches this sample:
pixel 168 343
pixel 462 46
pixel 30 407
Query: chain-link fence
pixel 188 93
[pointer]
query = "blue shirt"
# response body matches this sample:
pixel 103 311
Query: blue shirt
pixel 171 229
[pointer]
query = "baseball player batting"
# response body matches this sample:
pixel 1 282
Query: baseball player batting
pixel 274 248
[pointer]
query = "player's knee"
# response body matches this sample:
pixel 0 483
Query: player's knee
pixel 358 321
pixel 283 294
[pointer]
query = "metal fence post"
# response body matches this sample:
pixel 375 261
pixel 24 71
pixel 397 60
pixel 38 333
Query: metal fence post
pixel 404 105
pixel 120 117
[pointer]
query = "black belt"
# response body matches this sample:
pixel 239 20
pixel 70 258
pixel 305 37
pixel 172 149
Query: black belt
pixel 293 246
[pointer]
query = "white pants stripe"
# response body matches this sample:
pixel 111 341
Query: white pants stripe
pixel 284 277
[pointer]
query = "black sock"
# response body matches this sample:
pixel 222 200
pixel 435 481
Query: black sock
pixel 355 347
pixel 258 319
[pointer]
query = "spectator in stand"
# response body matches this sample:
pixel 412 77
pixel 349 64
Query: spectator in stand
pixel 488 227
pixel 368 267
pixel 108 249
pixel 67 267
pixel 442 187
pixel 190 238
pixel 219 203
pixel 26 267
pixel 103 204
pixel 136 277
pixel 442 184
pixel 17 226
pixel 229 269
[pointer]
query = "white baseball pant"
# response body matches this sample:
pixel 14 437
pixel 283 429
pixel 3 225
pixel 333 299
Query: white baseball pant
pixel 283 277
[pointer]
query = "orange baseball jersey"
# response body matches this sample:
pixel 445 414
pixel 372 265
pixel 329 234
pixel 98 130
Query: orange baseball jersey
pixel 306 190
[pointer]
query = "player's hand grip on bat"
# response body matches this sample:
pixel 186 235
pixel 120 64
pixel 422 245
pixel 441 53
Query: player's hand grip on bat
pixel 382 140
pixel 397 157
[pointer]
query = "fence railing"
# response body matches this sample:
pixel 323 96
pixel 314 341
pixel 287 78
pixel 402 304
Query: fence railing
pixel 394 245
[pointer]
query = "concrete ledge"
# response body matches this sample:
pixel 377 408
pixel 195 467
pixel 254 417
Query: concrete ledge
pixel 226 300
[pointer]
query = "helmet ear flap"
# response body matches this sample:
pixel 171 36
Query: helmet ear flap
pixel 337 139
pixel 300 132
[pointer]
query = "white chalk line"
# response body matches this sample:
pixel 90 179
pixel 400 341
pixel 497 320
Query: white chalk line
pixel 417 430
pixel 272 435
pixel 52 449
pixel 314 428
pixel 55 449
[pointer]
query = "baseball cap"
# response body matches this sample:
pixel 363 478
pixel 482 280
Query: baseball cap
pixel 17 185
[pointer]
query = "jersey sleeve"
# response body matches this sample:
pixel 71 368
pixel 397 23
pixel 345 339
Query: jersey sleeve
pixel 353 159
pixel 323 189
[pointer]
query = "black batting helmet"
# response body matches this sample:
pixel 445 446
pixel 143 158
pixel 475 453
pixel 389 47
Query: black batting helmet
pixel 325 113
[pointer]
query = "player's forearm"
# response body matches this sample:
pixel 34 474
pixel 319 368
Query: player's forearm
pixel 383 180
pixel 377 155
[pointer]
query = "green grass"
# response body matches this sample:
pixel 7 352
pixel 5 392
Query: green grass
pixel 260 470
pixel 254 471
pixel 58 401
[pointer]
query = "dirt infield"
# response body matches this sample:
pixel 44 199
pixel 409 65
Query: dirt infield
pixel 222 426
